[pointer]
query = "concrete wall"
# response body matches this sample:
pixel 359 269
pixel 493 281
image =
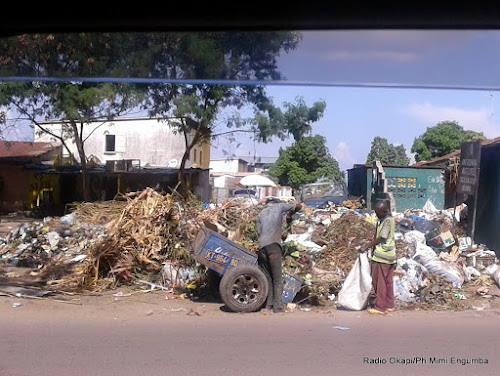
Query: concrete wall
pixel 14 188
pixel 228 165
pixel 154 143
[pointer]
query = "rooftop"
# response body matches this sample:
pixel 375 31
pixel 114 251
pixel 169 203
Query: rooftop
pixel 25 150
pixel 485 144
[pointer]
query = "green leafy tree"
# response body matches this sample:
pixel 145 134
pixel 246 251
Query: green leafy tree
pixel 387 154
pixel 221 56
pixel 295 121
pixel 166 56
pixel 305 162
pixel 401 158
pixel 441 139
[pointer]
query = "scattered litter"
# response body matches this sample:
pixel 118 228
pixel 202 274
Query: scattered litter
pixel 15 305
pixel 122 294
pixel 146 239
pixel 291 307
pixel 153 285
pixel 340 327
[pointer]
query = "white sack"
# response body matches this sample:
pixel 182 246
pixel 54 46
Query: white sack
pixel 357 286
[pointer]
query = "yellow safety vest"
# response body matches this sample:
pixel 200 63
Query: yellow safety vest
pixel 386 252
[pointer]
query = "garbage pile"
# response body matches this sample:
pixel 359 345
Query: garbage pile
pixel 100 245
pixel 437 263
pixel 323 255
pixel 52 247
pixel 148 237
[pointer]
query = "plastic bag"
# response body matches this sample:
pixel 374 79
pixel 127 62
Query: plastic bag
pixel 426 226
pixel 304 241
pixel 429 207
pixel 411 237
pixel 69 219
pixel 53 238
pixel 177 275
pixel 450 271
pixel 357 286
pixel 494 272
pixel 415 277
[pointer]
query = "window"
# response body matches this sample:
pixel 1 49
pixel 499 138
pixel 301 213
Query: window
pixel 194 155
pixel 110 143
pixel 200 158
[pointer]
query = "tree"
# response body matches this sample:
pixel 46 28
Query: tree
pixel 295 121
pixel 387 154
pixel 401 158
pixel 305 162
pixel 441 139
pixel 73 105
pixel 221 56
pixel 165 56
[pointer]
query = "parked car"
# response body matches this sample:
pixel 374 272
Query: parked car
pixel 245 193
pixel 317 195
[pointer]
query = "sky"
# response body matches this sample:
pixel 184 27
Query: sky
pixel 392 84
pixel 387 83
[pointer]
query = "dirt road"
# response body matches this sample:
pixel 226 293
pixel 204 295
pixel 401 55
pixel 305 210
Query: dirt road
pixel 145 334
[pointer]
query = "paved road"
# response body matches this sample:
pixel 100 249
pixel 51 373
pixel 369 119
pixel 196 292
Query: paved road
pixel 174 343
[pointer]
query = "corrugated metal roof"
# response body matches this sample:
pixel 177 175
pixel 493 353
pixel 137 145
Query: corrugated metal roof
pixel 16 149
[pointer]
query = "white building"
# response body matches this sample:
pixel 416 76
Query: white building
pixel 225 175
pixel 149 141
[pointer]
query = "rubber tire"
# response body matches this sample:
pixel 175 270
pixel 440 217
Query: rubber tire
pixel 226 287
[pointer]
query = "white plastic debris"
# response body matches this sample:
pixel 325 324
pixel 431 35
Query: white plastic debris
pixel 79 258
pixel 450 271
pixel 53 238
pixel 340 327
pixel 69 219
pixel 429 207
pixel 122 294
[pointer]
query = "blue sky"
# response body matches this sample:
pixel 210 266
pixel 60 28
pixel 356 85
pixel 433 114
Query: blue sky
pixel 462 60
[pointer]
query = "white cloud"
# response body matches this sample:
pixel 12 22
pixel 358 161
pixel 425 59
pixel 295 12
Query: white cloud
pixel 480 120
pixel 342 153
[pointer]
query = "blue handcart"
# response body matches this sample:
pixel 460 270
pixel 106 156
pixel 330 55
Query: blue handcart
pixel 243 286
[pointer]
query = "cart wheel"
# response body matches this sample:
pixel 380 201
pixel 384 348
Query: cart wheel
pixel 244 288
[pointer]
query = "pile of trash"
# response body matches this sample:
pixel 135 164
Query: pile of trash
pixel 148 237
pixel 101 245
pixel 52 247
pixel 439 262
pixel 436 261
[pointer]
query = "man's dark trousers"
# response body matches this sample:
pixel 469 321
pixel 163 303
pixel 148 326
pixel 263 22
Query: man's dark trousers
pixel 270 260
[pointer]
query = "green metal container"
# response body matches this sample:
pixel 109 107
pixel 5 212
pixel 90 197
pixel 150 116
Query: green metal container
pixel 410 186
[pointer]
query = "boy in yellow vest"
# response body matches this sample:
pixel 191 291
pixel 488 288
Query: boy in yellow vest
pixel 383 260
